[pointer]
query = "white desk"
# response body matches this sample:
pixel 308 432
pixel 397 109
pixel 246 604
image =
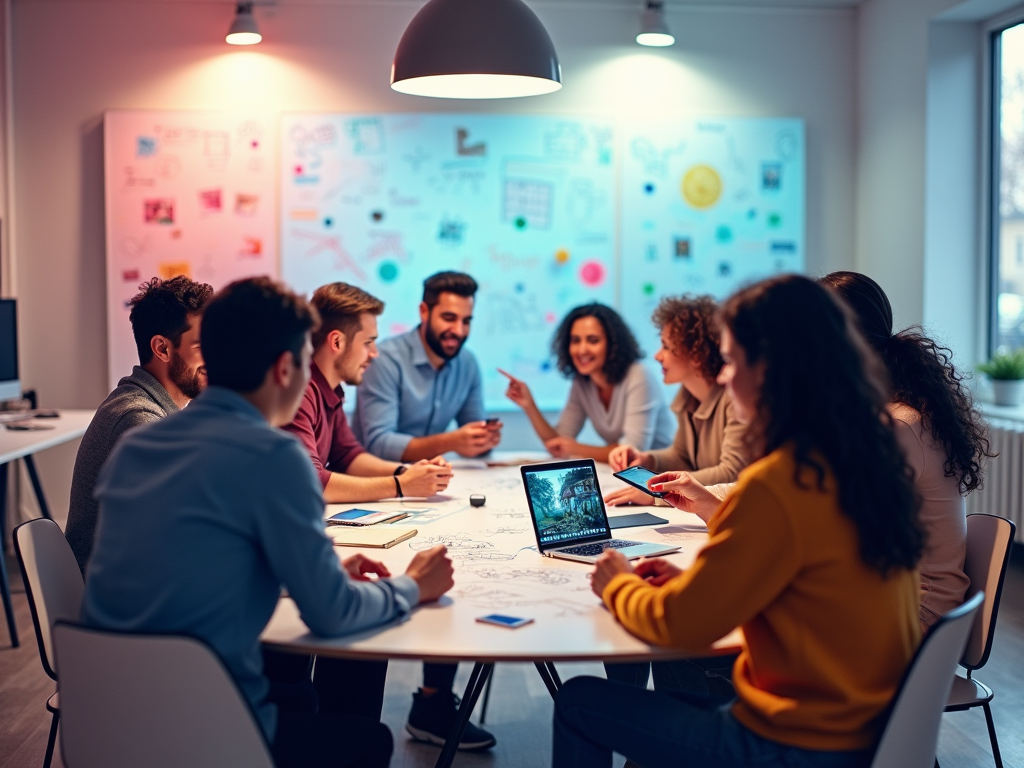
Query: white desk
pixel 497 570
pixel 20 444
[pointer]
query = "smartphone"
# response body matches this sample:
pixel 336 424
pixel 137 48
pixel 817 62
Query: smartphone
pixel 492 421
pixel 638 477
pixel 504 621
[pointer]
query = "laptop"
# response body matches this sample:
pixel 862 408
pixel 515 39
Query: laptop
pixel 569 518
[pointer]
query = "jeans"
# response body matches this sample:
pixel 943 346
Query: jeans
pixel 595 717
pixel 711 675
pixel 439 676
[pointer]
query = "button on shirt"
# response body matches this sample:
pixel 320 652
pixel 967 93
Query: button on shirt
pixel 403 396
pixel 321 425
pixel 204 515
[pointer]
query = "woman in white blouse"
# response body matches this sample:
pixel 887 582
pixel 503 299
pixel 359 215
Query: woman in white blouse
pixel 610 387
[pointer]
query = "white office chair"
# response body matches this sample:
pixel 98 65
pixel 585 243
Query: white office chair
pixel 54 587
pixel 911 731
pixel 989 541
pixel 158 701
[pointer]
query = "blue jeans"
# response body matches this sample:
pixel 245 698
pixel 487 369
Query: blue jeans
pixel 595 717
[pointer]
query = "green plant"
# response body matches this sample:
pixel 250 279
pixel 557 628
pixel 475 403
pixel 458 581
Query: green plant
pixel 1004 366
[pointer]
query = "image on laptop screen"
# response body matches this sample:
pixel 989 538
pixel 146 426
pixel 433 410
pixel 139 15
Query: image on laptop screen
pixel 566 504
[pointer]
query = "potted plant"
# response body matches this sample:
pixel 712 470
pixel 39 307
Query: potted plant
pixel 1006 372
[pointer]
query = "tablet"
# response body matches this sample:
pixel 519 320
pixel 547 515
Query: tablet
pixel 638 477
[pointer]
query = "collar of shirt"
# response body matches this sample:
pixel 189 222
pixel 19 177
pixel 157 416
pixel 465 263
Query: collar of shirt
pixel 700 409
pixel 332 397
pixel 223 399
pixel 147 382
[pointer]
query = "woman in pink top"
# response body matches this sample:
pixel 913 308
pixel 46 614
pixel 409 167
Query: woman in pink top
pixel 939 430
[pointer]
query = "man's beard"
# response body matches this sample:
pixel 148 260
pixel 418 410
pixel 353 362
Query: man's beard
pixel 191 383
pixel 434 342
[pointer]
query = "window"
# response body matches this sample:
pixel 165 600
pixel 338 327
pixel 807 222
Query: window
pixel 1008 187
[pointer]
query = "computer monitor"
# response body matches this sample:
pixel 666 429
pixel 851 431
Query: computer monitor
pixel 10 386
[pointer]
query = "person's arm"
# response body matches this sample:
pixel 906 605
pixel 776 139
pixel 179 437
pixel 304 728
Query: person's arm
pixel 368 465
pixel 574 415
pixel 378 403
pixel 302 427
pixel 473 406
pixel 290 527
pixel 518 392
pixel 749 559
pixel 733 456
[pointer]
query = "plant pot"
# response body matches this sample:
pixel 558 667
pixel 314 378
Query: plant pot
pixel 1008 392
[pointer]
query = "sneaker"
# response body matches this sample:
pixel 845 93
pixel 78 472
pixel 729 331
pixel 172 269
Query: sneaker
pixel 432 718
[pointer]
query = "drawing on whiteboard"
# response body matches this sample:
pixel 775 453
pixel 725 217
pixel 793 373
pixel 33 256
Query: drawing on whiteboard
pixel 133 247
pixel 509 313
pixel 654 162
pixel 367 135
pixel 463 548
pixel 130 275
pixel 343 261
pixel 565 144
pixel 168 166
pixel 527 203
pixel 249 134
pixel 386 244
pixel 169 269
pixel 416 159
pixel 251 247
pixel 158 211
pixel 451 231
pixel 246 205
pixel 209 201
pixel 145 146
pixel 464 149
pixel 582 200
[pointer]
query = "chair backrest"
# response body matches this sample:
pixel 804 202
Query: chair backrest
pixel 130 700
pixel 911 732
pixel 989 541
pixel 53 582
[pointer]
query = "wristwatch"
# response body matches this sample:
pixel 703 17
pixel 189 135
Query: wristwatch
pixel 400 470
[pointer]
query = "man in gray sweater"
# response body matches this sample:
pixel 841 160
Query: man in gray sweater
pixel 165 320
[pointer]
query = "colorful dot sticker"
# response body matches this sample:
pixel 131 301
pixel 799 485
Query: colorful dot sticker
pixel 774 219
pixel 388 271
pixel 592 274
pixel 520 223
pixel 562 256
pixel 648 289
pixel 377 216
pixel 702 186
pixel 649 188
pixel 328 222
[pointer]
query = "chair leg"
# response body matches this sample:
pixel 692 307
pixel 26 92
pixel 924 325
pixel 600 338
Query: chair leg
pixel 52 740
pixel 992 735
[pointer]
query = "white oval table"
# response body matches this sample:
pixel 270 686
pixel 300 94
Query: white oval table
pixel 497 570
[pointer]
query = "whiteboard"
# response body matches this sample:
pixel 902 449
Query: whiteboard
pixel 186 193
pixel 526 205
pixel 708 205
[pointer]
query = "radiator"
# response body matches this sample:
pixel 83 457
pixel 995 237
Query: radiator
pixel 1003 491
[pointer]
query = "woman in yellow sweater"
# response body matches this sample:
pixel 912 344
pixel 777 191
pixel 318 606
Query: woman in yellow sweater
pixel 813 555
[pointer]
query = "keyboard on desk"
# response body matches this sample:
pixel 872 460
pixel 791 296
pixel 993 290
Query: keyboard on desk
pixel 586 550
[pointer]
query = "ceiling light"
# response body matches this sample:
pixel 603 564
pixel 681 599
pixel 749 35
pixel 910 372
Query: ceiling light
pixel 243 29
pixel 653 29
pixel 475 49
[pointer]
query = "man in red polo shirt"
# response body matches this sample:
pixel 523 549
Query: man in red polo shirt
pixel 343 349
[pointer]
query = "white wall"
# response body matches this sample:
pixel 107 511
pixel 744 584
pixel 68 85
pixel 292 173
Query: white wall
pixel 73 60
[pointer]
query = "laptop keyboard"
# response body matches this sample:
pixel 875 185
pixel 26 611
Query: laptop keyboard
pixel 587 550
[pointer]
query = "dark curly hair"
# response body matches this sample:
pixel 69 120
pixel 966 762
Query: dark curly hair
pixel 161 308
pixel 922 376
pixel 692 330
pixel 623 350
pixel 824 394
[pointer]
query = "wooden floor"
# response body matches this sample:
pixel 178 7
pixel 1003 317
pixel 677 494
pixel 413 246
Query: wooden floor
pixel 520 708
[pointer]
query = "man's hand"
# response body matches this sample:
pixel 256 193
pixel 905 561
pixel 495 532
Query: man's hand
pixel 561 447
pixel 624 456
pixel 475 438
pixel 518 391
pixel 358 566
pixel 685 493
pixel 424 478
pixel 628 496
pixel 609 565
pixel 432 571
pixel 657 572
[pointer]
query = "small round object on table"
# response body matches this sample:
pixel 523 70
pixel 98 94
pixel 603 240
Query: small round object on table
pixel 477 500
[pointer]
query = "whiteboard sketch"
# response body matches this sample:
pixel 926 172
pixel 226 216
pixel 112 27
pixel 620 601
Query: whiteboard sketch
pixel 463 548
pixel 190 193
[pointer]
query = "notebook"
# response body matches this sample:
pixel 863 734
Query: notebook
pixel 378 536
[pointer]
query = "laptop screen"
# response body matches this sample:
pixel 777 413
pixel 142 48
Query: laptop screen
pixel 565 503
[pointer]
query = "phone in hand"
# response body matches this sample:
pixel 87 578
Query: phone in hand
pixel 512 622
pixel 638 477
pixel 492 421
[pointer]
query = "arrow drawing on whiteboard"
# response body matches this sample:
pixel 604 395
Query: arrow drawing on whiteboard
pixel 342 259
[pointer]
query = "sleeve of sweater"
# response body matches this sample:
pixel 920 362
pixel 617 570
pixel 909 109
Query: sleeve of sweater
pixel 643 405
pixel 291 530
pixel 733 457
pixel 751 556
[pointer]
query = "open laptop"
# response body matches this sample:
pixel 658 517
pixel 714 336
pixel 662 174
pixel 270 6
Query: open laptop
pixel 569 518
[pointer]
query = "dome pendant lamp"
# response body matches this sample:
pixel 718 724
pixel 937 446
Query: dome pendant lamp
pixel 243 29
pixel 476 49
pixel 654 31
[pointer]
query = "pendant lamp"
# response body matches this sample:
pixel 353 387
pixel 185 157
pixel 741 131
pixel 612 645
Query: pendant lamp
pixel 243 29
pixel 654 31
pixel 476 49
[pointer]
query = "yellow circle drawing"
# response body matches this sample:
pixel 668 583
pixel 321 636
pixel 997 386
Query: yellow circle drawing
pixel 561 256
pixel 702 186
